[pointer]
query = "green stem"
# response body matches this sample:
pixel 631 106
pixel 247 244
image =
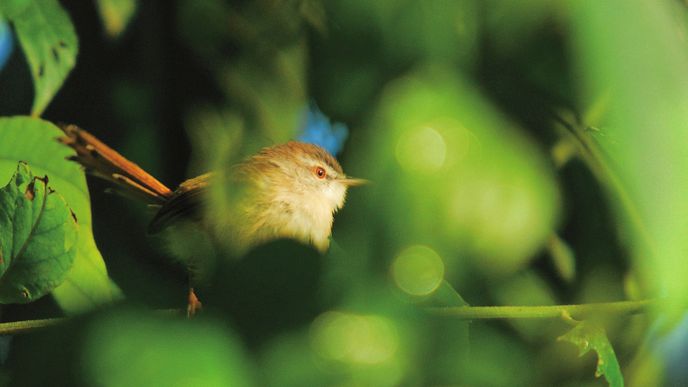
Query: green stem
pixel 551 311
pixel 15 327
pixel 460 312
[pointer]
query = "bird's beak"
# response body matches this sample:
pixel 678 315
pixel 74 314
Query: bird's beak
pixel 353 182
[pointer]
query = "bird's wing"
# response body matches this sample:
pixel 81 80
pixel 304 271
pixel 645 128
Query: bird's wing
pixel 186 203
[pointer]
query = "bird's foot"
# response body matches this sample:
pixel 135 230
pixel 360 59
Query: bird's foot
pixel 194 304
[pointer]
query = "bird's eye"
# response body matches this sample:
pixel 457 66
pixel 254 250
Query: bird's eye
pixel 320 172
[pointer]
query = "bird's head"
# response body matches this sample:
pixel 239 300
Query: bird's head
pixel 306 174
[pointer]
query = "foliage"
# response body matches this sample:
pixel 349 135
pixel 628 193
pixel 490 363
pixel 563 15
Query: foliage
pixel 39 238
pixel 524 155
pixel 33 140
pixel 587 336
pixel 49 42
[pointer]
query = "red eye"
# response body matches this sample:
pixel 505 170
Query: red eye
pixel 320 172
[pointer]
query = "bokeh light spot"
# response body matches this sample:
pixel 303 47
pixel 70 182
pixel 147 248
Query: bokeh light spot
pixel 418 270
pixel 353 338
pixel 422 150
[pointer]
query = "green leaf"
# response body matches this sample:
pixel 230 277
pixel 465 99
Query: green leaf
pixel 116 15
pixel 33 140
pixel 38 236
pixel 588 336
pixel 10 8
pixel 638 148
pixel 47 37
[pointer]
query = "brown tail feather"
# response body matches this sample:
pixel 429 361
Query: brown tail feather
pixel 102 161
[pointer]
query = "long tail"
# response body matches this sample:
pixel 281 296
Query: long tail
pixel 102 161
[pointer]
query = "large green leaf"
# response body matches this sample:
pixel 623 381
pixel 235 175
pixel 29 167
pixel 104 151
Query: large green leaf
pixel 588 336
pixel 136 349
pixel 470 184
pixel 38 237
pixel 49 42
pixel 33 140
pixel 635 93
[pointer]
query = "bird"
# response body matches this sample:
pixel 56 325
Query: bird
pixel 290 190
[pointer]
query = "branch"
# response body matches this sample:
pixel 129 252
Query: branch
pixel 550 311
pixel 15 327
pixel 26 326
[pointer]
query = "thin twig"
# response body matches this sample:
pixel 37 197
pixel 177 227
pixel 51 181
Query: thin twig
pixel 15 327
pixel 25 326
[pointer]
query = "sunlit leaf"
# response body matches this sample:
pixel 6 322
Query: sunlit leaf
pixel 33 140
pixel 47 37
pixel 588 336
pixel 38 236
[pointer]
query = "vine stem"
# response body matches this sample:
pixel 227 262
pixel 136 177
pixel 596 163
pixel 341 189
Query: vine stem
pixel 578 311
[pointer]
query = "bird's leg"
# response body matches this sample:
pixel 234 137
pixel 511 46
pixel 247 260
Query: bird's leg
pixel 194 304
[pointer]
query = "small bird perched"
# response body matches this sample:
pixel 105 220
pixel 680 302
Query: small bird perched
pixel 290 190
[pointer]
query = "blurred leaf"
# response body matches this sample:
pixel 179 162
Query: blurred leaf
pixel 270 92
pixel 445 295
pixel 208 43
pixel 512 23
pixel 49 42
pixel 452 347
pixel 413 31
pixel 563 257
pixel 264 75
pixel 639 146
pixel 264 273
pixel 290 361
pixel 216 136
pixel 313 13
pixel 135 349
pixel 466 179
pixel 33 140
pixel 38 236
pixel 495 359
pixel 588 336
pixel 116 15
pixel 418 270
pixel 343 348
